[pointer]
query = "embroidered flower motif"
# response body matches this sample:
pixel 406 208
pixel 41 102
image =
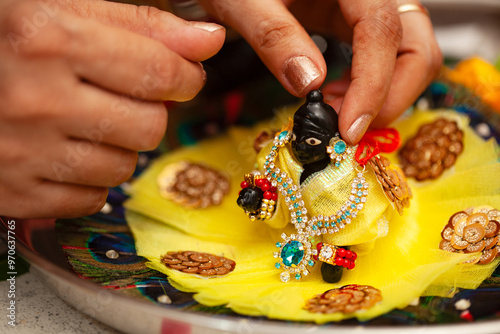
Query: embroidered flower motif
pixel 434 148
pixel 393 181
pixel 473 230
pixel 204 264
pixel 192 185
pixel 347 299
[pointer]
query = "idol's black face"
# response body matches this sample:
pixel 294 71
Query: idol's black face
pixel 309 141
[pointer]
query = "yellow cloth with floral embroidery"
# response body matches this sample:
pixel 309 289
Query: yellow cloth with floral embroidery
pixel 404 264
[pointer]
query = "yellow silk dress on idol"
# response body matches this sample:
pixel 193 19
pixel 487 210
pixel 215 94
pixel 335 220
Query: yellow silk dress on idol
pixel 325 190
pixel 346 205
pixel 396 254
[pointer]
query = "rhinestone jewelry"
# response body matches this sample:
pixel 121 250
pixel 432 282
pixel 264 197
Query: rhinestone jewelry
pixel 296 251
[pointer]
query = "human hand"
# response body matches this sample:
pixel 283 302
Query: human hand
pixel 81 85
pixel 394 56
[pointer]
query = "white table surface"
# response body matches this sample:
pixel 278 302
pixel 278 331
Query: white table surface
pixel 39 310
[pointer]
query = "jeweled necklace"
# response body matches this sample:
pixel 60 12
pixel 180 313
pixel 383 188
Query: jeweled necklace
pixel 296 251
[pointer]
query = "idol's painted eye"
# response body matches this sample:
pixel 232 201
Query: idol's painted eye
pixel 294 137
pixel 313 141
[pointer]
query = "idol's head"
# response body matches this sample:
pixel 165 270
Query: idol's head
pixel 314 124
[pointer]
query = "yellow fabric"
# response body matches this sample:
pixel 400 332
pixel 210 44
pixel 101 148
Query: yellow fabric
pixel 403 265
pixel 370 223
pixel 480 77
pixel 232 154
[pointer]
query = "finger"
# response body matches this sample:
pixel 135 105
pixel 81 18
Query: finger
pixel 195 41
pixel 80 110
pixel 112 50
pixel 376 38
pixel 104 117
pixel 335 101
pixel 85 163
pixel 323 17
pixel 334 92
pixel 418 63
pixel 47 199
pixel 115 59
pixel 277 37
pixel 336 87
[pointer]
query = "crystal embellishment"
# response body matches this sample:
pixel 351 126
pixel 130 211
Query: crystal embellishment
pixel 292 253
pixel 340 147
pixel 285 276
pixel 295 250
pixel 282 135
pixel 326 252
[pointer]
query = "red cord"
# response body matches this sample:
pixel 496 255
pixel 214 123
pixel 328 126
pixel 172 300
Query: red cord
pixel 375 142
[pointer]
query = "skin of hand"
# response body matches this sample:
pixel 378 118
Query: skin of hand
pixel 81 85
pixel 394 56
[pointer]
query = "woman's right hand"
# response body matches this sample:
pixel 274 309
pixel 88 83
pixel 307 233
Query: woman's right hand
pixel 81 91
pixel 394 55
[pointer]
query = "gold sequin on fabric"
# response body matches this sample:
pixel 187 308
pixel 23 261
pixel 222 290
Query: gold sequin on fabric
pixel 473 230
pixel 432 150
pixel 192 185
pixel 393 181
pixel 204 264
pixel 347 299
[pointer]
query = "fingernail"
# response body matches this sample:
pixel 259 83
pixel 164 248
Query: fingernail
pixel 204 74
pixel 358 128
pixel 210 27
pixel 300 71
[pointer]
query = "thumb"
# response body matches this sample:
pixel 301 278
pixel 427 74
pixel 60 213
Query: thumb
pixel 277 37
pixel 195 41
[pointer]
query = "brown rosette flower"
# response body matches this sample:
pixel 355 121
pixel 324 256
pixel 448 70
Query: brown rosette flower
pixel 347 299
pixel 204 264
pixel 192 185
pixel 393 181
pixel 473 230
pixel 432 150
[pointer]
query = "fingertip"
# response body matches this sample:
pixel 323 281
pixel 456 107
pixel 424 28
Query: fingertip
pixel 193 82
pixel 361 104
pixel 126 168
pixel 208 38
pixel 302 75
pixel 64 200
pixel 356 114
pixel 98 200
pixel 154 127
pixel 335 101
pixel 195 41
pixel 91 200
pixel 174 78
pixel 207 26
pixel 279 39
pixel 357 129
pixel 336 87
